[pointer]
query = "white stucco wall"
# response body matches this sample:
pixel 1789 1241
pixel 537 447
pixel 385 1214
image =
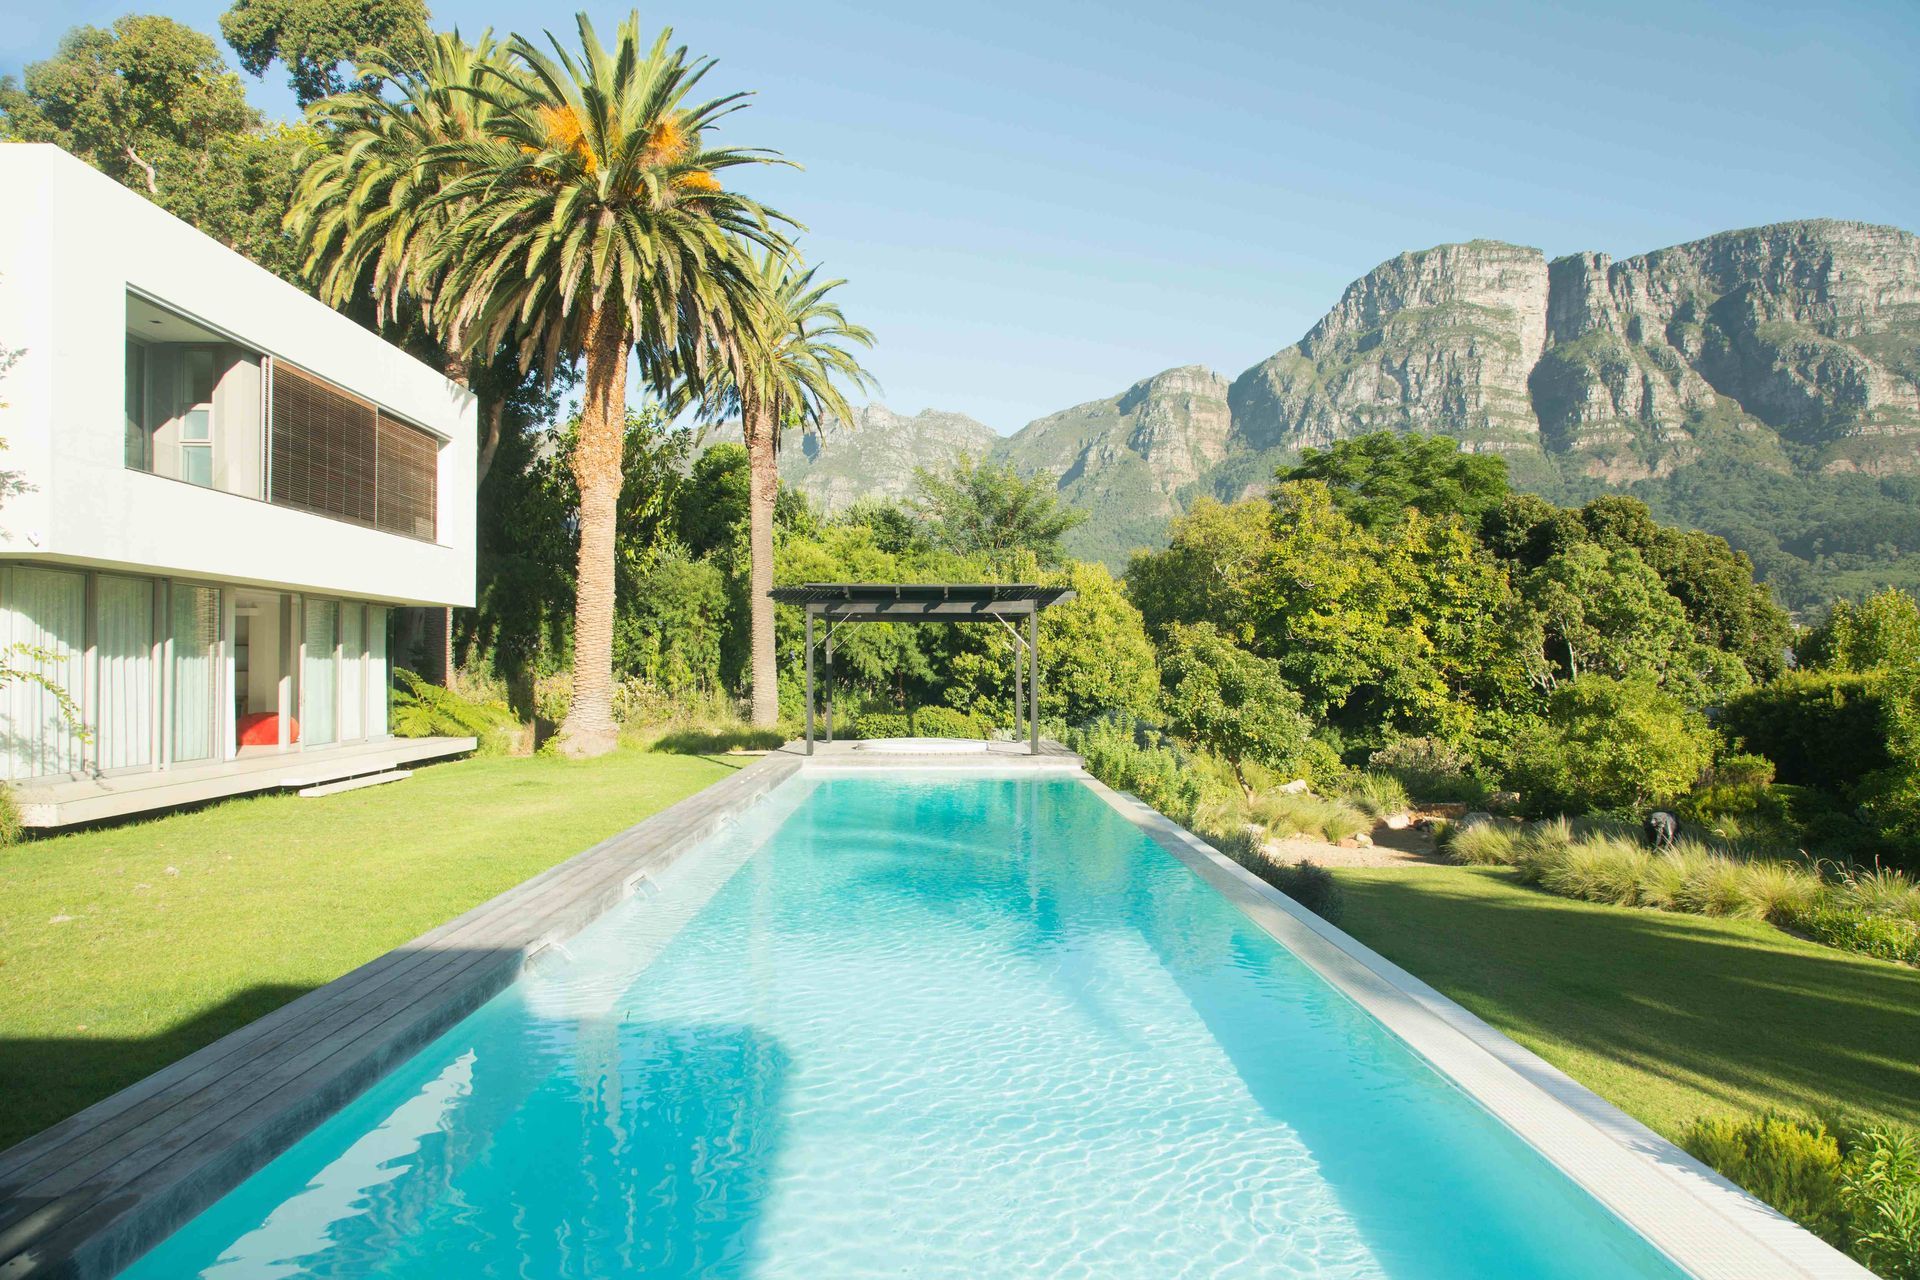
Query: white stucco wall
pixel 72 244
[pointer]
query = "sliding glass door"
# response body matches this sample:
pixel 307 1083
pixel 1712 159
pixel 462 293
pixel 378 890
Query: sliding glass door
pixel 194 613
pixel 377 672
pixel 353 696
pixel 123 637
pixel 319 680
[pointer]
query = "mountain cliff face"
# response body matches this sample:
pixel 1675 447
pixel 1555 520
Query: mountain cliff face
pixel 1785 359
pixel 876 456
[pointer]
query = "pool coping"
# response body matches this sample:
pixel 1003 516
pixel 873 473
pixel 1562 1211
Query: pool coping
pixel 84 1198
pixel 1705 1224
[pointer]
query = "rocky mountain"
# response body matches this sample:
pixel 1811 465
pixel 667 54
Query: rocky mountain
pixel 875 456
pixel 1763 383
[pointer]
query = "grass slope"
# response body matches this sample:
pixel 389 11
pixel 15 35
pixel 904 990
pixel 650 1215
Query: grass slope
pixel 124 948
pixel 1669 1017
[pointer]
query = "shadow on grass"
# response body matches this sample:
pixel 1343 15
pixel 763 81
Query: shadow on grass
pixel 46 1080
pixel 708 742
pixel 1720 1010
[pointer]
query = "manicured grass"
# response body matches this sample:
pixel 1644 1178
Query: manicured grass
pixel 1668 1016
pixel 124 948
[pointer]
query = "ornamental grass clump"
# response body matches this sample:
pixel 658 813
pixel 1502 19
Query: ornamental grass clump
pixel 1286 815
pixel 1484 844
pixel 1378 795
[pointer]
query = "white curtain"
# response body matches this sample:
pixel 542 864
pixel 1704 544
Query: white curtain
pixel 377 675
pixel 353 697
pixel 195 615
pixel 44 609
pixel 123 631
pixel 318 683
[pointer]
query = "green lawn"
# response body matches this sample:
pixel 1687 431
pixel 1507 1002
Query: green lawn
pixel 1668 1016
pixel 124 948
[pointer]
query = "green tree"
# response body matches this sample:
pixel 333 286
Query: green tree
pixel 1610 744
pixel 978 508
pixel 783 371
pixel 1882 632
pixel 584 222
pixel 150 103
pixel 313 37
pixel 895 528
pixel 1220 697
pixel 1214 569
pixel 1375 479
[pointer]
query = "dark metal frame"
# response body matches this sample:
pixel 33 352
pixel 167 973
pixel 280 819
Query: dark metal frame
pixel 1005 603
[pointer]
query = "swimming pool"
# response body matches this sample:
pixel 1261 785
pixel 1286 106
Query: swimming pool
pixel 914 1024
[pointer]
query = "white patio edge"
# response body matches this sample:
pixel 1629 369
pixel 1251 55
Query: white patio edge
pixel 1707 1225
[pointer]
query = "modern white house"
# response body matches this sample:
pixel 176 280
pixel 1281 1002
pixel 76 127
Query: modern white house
pixel 217 493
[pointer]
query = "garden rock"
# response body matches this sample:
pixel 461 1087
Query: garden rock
pixel 1299 786
pixel 1478 818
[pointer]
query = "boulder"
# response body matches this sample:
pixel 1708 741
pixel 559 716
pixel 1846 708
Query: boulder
pixel 1299 786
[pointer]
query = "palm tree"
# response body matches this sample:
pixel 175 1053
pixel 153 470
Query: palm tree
pixel 574 215
pixel 784 376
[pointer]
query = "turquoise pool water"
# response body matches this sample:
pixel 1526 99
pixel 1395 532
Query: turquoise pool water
pixel 914 1026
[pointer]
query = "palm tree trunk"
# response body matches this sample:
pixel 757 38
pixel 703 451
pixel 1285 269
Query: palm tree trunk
pixel 763 485
pixel 589 729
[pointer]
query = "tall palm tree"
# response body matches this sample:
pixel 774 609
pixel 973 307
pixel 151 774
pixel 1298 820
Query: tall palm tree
pixel 580 218
pixel 784 376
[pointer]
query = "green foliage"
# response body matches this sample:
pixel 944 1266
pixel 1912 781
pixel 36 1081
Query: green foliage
pixel 1482 844
pixel 671 628
pixel 150 103
pixel 1307 883
pixel 1880 1192
pixel 1288 814
pixel 945 722
pixel 1611 744
pixel 1851 929
pixel 313 37
pixel 978 508
pixel 1791 1164
pixel 422 709
pixel 1096 655
pixel 1213 570
pixel 1880 633
pixel 1229 701
pixel 1128 757
pixel 1821 729
pixel 1430 769
pixel 12 829
pixel 1377 478
pixel 1377 794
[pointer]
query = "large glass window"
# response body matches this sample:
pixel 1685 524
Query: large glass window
pixel 319 687
pixel 338 455
pixel 194 614
pixel 43 629
pixel 123 638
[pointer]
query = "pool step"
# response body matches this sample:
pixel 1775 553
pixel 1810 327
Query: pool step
pixel 354 784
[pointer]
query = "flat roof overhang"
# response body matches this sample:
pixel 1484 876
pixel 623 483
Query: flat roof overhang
pixel 922 601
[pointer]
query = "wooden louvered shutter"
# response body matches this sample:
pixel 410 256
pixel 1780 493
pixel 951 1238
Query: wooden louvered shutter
pixel 408 492
pixel 324 447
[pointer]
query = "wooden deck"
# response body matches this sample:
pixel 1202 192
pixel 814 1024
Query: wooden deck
pixel 69 800
pixel 86 1197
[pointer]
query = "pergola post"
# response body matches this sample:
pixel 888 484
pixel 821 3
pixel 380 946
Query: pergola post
pixel 809 681
pixel 829 707
pixel 1033 684
pixel 1019 684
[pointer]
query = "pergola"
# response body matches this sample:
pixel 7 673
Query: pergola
pixel 835 603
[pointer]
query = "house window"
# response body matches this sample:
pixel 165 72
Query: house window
pixel 193 408
pixel 338 455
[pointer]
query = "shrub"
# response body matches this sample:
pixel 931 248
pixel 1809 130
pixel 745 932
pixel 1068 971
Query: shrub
pixel 880 724
pixel 422 709
pixel 1307 883
pixel 1484 844
pixel 1793 1165
pixel 1780 892
pixel 945 722
pixel 1880 1193
pixel 1611 745
pixel 1606 869
pixel 1743 770
pixel 12 829
pixel 552 693
pixel 1882 891
pixel 1129 757
pixel 1821 729
pixel 1229 701
pixel 1430 769
pixel 1378 795
pixel 1836 924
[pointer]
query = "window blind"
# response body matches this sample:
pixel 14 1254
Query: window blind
pixel 337 455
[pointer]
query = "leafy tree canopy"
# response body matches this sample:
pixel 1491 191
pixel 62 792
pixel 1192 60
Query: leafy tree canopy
pixel 150 103
pixel 313 37
pixel 1880 632
pixel 977 508
pixel 1230 701
pixel 1377 478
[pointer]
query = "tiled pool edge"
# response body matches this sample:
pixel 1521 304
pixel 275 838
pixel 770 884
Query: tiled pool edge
pixel 84 1198
pixel 1709 1226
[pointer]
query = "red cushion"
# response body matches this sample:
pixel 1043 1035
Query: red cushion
pixel 262 729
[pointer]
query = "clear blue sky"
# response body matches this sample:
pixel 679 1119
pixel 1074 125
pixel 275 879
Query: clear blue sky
pixel 1037 204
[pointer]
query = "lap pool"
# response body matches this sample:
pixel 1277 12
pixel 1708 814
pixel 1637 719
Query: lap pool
pixel 914 1025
